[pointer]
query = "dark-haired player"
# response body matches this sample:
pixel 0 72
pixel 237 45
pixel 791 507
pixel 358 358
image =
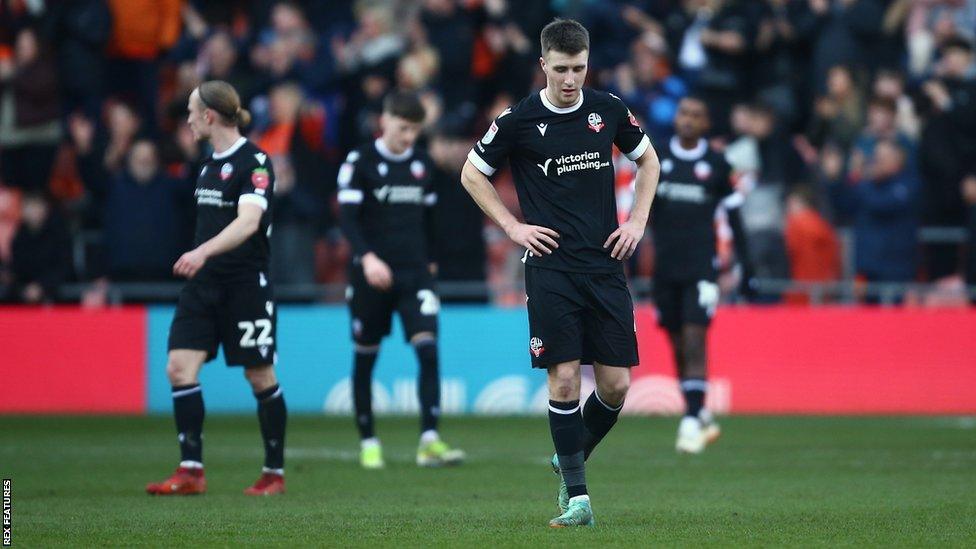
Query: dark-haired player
pixel 559 143
pixel 695 181
pixel 228 299
pixel 385 199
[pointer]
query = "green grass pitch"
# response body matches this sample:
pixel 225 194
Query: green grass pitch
pixel 768 482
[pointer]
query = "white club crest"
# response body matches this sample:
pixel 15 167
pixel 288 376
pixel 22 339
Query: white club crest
pixel 418 169
pixel 702 170
pixel 594 122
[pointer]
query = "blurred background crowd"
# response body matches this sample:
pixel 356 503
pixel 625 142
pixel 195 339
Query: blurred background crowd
pixel 851 126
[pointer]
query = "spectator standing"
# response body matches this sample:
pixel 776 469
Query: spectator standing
pixel 39 254
pixel 883 204
pixel 30 108
pixel 811 243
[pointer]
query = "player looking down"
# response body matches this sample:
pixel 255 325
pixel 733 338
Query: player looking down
pixel 385 198
pixel 559 143
pixel 228 298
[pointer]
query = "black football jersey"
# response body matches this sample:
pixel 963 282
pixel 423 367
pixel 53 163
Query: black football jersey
pixel 562 164
pixel 394 192
pixel 693 183
pixel 241 174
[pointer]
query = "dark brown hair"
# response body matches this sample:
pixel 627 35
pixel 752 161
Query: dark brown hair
pixel 222 98
pixel 406 105
pixel 565 36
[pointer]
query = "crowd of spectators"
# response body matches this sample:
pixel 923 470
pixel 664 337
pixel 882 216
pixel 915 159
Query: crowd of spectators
pixel 840 117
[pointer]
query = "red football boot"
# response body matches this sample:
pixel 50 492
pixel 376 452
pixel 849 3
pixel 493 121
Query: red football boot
pixel 268 484
pixel 184 482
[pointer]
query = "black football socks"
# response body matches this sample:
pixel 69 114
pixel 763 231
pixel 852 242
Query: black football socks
pixel 566 425
pixel 429 385
pixel 362 391
pixel 188 411
pixel 598 418
pixel 273 416
pixel 694 391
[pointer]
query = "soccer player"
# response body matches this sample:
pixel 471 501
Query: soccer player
pixel 695 181
pixel 559 144
pixel 385 198
pixel 228 299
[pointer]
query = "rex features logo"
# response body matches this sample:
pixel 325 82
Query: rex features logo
pixel 589 160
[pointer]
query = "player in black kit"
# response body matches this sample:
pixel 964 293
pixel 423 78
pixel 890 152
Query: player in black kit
pixel 695 181
pixel 228 299
pixel 559 144
pixel 385 199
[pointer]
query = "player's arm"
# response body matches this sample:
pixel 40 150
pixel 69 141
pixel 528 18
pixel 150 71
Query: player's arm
pixel 538 240
pixel 483 160
pixel 630 233
pixel 732 204
pixel 246 223
pixel 635 145
pixel 378 274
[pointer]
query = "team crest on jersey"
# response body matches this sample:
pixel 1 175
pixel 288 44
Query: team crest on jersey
pixel 594 122
pixel 490 134
pixel 260 179
pixel 417 169
pixel 226 171
pixel 667 165
pixel 702 170
pixel 536 347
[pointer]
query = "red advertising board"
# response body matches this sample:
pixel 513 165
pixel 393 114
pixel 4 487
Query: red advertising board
pixel 67 360
pixel 829 360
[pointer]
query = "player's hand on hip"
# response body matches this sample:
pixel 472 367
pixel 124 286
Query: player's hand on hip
pixel 189 263
pixel 377 272
pixel 538 240
pixel 627 236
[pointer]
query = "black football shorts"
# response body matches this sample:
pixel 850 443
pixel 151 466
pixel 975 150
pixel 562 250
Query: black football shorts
pixel 684 301
pixel 371 310
pixel 240 316
pixel 576 316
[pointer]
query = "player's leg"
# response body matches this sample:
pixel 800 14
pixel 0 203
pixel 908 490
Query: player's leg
pixel 248 334
pixel 273 419
pixel 566 428
pixel 603 407
pixel 610 341
pixel 418 307
pixel 371 312
pixel 182 369
pixel 192 341
pixel 364 359
pixel 697 428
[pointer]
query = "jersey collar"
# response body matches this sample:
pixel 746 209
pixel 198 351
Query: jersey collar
pixel 233 149
pixel 386 153
pixel 561 110
pixel 685 154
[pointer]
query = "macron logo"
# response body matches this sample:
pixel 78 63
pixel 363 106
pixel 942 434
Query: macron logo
pixel 545 167
pixel 382 192
pixel 542 128
pixel 261 157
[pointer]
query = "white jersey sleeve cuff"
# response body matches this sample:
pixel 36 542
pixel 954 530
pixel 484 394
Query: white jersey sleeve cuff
pixel 255 199
pixel 645 142
pixel 479 163
pixel 350 196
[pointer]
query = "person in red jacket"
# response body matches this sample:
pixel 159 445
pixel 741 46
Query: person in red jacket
pixel 811 243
